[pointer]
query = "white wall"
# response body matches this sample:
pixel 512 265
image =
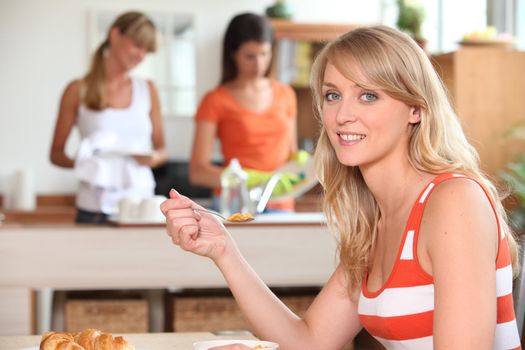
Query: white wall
pixel 44 45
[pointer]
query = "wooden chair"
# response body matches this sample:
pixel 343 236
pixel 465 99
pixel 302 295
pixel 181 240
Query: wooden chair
pixel 519 293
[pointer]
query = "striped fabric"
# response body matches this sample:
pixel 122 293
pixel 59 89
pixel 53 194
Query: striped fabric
pixel 400 315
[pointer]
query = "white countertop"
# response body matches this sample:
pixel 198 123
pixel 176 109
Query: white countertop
pixel 290 218
pixel 282 218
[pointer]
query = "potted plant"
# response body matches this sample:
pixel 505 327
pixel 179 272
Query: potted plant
pixel 280 9
pixel 515 177
pixel 410 19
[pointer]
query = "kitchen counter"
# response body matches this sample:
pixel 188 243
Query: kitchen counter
pixel 286 251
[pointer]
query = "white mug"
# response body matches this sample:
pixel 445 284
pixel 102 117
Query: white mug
pixel 149 209
pixel 128 208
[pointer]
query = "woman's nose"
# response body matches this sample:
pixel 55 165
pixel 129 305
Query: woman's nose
pixel 345 113
pixel 259 62
pixel 141 54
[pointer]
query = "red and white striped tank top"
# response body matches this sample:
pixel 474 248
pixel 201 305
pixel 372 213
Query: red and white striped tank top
pixel 400 315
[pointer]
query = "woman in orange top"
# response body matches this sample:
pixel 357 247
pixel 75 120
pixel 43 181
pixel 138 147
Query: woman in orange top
pixel 426 256
pixel 253 116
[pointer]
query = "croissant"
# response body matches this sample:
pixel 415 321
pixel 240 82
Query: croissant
pixel 89 339
pixel 58 341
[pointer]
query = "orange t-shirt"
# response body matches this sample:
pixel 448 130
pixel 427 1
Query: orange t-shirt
pixel 259 140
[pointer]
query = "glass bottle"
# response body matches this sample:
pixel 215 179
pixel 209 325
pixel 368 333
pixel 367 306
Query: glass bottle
pixel 234 192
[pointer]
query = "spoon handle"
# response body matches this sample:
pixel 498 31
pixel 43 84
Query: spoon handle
pixel 213 212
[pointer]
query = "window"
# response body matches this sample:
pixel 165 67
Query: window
pixel 172 68
pixel 446 21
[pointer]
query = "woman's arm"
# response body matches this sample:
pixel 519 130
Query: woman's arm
pixel 159 155
pixel 459 237
pixel 293 141
pixel 66 119
pixel 202 170
pixel 329 323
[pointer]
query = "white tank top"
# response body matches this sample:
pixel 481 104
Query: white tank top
pixel 130 128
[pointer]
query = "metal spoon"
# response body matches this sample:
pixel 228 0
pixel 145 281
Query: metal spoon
pixel 232 218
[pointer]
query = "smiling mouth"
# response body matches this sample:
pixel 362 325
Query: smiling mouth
pixel 351 137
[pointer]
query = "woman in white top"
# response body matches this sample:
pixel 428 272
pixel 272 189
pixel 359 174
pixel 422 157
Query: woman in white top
pixel 119 122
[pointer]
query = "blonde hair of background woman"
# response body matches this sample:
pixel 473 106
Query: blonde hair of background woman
pixel 390 61
pixel 134 25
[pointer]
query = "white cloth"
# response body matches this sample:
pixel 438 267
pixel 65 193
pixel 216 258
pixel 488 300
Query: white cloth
pixel 103 163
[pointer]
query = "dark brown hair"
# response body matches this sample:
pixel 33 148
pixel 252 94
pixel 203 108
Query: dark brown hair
pixel 243 28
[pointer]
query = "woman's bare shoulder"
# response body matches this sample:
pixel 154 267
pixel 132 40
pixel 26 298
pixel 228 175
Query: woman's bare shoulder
pixel 458 212
pixel 457 193
pixel 72 92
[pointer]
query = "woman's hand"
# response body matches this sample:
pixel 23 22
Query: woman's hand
pixel 154 160
pixel 193 231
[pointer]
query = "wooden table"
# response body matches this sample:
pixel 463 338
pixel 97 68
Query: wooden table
pixel 150 341
pixel 286 251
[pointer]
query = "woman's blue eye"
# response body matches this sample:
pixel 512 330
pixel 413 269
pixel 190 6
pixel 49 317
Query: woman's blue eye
pixel 368 97
pixel 331 96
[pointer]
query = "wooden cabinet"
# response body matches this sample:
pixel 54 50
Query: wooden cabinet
pixel 487 89
pixel 295 49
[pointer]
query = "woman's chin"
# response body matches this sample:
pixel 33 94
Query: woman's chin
pixel 347 161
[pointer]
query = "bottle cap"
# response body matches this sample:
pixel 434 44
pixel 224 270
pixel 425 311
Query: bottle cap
pixel 235 166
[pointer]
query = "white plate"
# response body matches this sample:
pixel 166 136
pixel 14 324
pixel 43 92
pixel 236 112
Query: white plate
pixel 38 348
pixel 205 345
pixel 126 152
pixel 302 187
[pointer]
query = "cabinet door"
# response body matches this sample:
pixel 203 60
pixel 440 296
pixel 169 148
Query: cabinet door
pixel 487 93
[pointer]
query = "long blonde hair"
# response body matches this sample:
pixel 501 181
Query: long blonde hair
pixel 390 61
pixel 134 25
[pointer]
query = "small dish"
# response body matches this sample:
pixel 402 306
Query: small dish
pixel 503 43
pixel 254 344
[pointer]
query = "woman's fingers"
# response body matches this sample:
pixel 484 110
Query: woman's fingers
pixel 181 223
pixel 176 201
pixel 187 235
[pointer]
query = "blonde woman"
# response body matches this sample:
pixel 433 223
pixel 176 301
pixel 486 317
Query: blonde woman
pixel 113 112
pixel 425 253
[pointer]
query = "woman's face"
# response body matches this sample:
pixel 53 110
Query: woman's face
pixel 252 59
pixel 364 126
pixel 125 50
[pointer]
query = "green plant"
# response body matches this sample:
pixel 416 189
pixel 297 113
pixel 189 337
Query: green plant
pixel 410 17
pixel 280 9
pixel 515 177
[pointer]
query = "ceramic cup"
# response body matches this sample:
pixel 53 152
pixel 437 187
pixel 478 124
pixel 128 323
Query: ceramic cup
pixel 149 209
pixel 128 209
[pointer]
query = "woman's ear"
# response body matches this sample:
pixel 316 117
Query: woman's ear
pixel 415 115
pixel 114 35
